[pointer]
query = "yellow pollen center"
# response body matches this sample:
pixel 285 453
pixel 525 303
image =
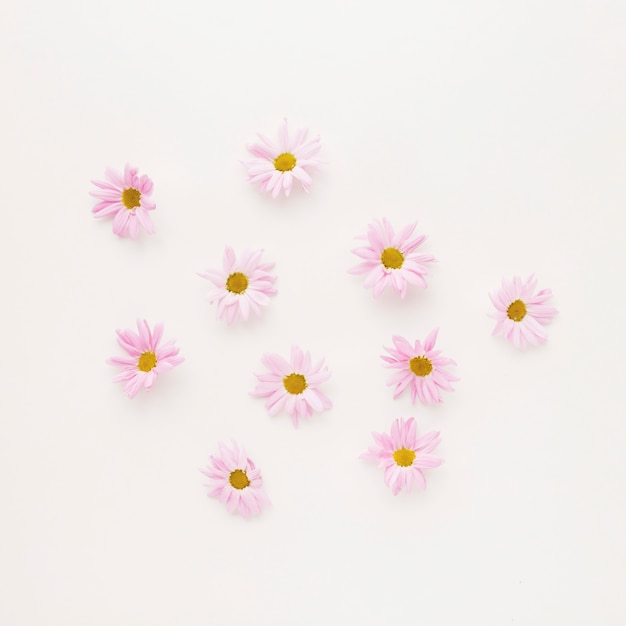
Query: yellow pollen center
pixel 295 383
pixel 392 258
pixel 237 282
pixel 404 457
pixel 285 162
pixel 238 479
pixel 131 198
pixel 516 311
pixel 147 361
pixel 420 366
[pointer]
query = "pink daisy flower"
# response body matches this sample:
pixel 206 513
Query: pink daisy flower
pixel 145 357
pixel 293 385
pixel 522 313
pixel 391 259
pixel 404 455
pixel 275 167
pixel 236 481
pixel 420 367
pixel 126 197
pixel 241 286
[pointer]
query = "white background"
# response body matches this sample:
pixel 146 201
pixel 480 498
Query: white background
pixel 499 126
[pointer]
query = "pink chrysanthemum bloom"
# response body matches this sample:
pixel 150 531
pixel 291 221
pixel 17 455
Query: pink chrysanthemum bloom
pixel 403 455
pixel 419 366
pixel 521 313
pixel 391 259
pixel 145 357
pixel 236 481
pixel 275 167
pixel 293 385
pixel 241 286
pixel 126 196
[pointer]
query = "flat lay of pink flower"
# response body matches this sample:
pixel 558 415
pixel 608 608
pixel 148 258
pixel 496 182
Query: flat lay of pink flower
pixel 242 286
pixel 292 385
pixel 235 481
pixel 391 259
pixel 126 197
pixel 276 166
pixel 403 455
pixel 521 311
pixel 146 358
pixel 419 367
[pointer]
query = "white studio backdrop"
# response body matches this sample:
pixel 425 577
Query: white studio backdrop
pixel 498 126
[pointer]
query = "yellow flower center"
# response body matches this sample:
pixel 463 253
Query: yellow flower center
pixel 237 282
pixel 392 258
pixel 147 361
pixel 420 366
pixel 238 479
pixel 285 162
pixel 131 198
pixel 404 457
pixel 516 311
pixel 295 383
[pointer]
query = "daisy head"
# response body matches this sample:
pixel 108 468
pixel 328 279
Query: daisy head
pixel 521 311
pixel 404 455
pixel 391 258
pixel 419 367
pixel 292 385
pixel 126 197
pixel 241 286
pixel 236 481
pixel 275 166
pixel 146 358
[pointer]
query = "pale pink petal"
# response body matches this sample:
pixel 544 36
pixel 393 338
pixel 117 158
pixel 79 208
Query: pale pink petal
pixel 297 357
pixel 115 177
pixel 120 222
pixel 375 276
pixel 300 173
pixel 129 176
pixel 229 259
pixel 298 139
pixel 277 364
pixel 406 380
pixel 279 404
pixel 283 136
pixel 106 208
pixel 144 219
pixel 106 186
pixel 287 182
pixel 431 338
pixel 307 149
pixel 145 185
pixel 263 152
pixel 113 195
pixel 133 225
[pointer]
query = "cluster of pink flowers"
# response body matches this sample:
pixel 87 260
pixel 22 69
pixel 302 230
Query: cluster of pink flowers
pixel 245 284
